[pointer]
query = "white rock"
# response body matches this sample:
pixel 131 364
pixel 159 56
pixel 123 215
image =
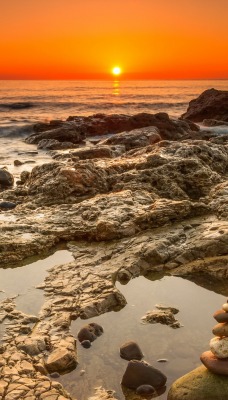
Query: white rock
pixel 219 347
pixel 225 307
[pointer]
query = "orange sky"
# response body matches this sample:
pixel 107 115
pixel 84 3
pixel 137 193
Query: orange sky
pixel 85 39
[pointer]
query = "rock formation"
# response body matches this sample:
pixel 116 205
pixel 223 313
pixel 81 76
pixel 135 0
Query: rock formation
pixel 211 104
pixel 146 200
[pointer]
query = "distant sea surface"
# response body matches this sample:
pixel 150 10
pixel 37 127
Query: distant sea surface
pixel 23 103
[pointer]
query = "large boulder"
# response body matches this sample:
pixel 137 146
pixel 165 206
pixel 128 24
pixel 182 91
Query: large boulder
pixel 211 104
pixel 136 138
pixel 6 179
pixel 199 384
pixel 141 373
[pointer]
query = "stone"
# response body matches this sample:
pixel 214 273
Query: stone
pixel 90 332
pixel 145 390
pixel 225 307
pixel 164 317
pixel 17 163
pixel 6 179
pixel 7 205
pixel 214 364
pixel 131 351
pixel 199 384
pixel 141 373
pixel 86 344
pixel 211 104
pixel 220 329
pixel 219 347
pixel 136 138
pixel 61 360
pixel 221 316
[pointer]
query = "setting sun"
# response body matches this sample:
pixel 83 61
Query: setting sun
pixel 116 71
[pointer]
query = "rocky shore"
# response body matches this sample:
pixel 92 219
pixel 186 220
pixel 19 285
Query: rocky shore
pixel 128 195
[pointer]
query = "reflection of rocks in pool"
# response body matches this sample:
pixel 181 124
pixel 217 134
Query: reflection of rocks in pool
pixel 145 390
pixel 141 373
pixel 131 351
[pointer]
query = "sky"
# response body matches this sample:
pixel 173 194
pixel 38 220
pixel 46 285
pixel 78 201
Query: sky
pixel 85 39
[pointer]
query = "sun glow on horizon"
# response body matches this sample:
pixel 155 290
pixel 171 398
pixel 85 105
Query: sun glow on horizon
pixel 116 71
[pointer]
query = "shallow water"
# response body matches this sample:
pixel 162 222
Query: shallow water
pixel 182 347
pixel 20 282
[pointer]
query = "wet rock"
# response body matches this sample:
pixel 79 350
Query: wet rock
pixel 52 144
pixel 87 153
pixel 141 373
pixel 214 122
pixel 90 332
pixel 135 138
pixel 7 205
pixel 131 351
pixel 162 307
pixel 164 317
pixel 24 177
pixel 102 394
pixel 221 316
pixel 6 179
pixel 214 364
pixel 145 390
pixel 219 347
pixel 199 384
pixel 211 104
pixel 66 133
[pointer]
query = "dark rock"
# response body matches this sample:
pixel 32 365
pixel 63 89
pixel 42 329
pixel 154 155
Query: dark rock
pixel 131 351
pixel 93 152
pixel 52 144
pixel 86 344
pixel 75 129
pixel 54 375
pixel 145 390
pixel 221 316
pixel 6 179
pixel 214 122
pixel 141 373
pixel 24 176
pixel 90 332
pixel 214 364
pixel 7 205
pixel 136 138
pixel 17 163
pixel 211 104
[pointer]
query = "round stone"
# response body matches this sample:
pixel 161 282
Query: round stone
pixel 131 351
pixel 221 316
pixel 225 307
pixel 145 390
pixel 214 364
pixel 7 205
pixel 219 347
pixel 220 329
pixel 86 344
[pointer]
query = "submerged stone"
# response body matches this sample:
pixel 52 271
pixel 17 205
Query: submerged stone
pixel 141 373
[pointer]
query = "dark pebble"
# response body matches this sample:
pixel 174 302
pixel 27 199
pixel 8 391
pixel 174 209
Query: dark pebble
pixel 54 375
pixel 86 344
pixel 7 205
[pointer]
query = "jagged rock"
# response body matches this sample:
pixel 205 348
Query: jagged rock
pixel 214 122
pixel 61 360
pixel 66 133
pixel 6 179
pixel 135 138
pixel 211 104
pixel 165 317
pixel 141 373
pixel 52 144
pixel 199 384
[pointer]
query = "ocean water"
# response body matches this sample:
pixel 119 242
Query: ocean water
pixel 23 103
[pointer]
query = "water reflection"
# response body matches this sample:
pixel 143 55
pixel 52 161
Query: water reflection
pixel 102 365
pixel 116 88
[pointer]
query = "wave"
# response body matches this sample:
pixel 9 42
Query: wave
pixel 16 131
pixel 17 106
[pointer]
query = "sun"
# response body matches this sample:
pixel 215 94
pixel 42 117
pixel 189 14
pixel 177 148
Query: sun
pixel 116 71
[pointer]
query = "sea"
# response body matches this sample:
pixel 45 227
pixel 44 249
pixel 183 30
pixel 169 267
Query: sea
pixel 23 103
